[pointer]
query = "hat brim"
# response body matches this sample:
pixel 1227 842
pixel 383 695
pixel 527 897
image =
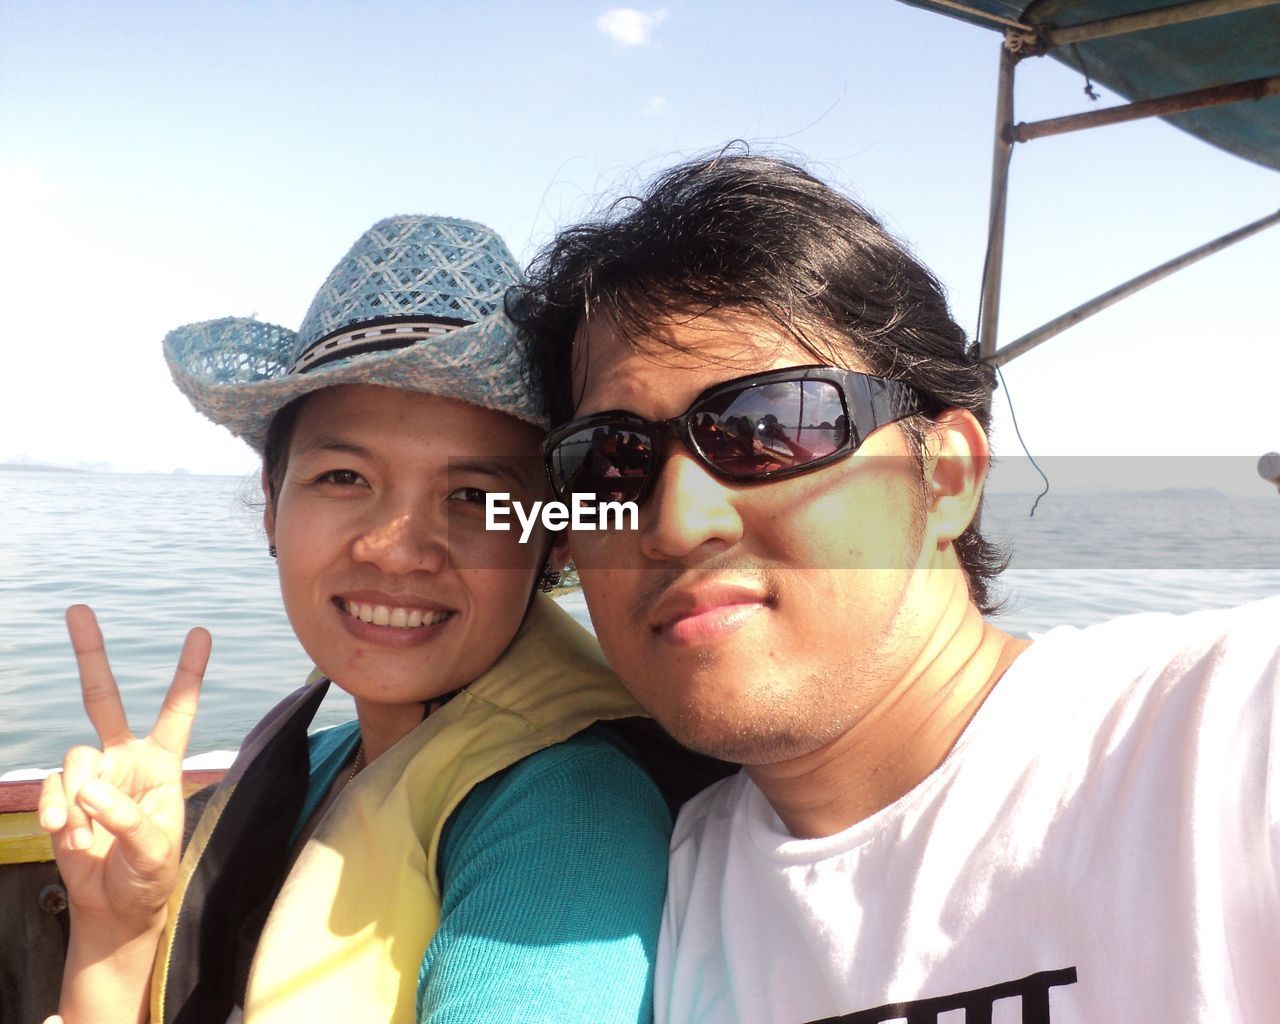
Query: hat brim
pixel 235 371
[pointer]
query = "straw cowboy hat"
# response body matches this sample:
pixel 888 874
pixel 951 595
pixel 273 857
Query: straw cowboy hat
pixel 417 304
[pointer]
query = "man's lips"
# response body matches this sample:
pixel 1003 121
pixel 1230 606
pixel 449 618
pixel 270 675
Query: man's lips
pixel 708 611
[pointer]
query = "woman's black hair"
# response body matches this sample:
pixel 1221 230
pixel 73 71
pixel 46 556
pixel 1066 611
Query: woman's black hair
pixel 275 452
pixel 763 237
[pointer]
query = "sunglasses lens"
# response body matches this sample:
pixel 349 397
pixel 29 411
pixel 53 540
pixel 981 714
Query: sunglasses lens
pixel 606 463
pixel 770 427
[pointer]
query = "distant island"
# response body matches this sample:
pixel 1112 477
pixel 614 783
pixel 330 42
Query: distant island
pixel 1165 493
pixel 1188 493
pixel 1174 493
pixel 39 467
pixel 23 463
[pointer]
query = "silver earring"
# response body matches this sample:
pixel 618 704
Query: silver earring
pixel 271 550
pixel 549 580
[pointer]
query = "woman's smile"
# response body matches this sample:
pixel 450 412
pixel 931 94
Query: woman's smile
pixel 393 626
pixel 395 616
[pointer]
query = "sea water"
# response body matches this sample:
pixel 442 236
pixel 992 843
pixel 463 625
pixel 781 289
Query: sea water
pixel 155 555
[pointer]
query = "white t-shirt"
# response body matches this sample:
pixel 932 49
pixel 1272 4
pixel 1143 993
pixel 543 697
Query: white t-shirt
pixel 1102 846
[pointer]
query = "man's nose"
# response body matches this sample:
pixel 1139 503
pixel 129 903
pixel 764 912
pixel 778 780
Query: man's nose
pixel 688 507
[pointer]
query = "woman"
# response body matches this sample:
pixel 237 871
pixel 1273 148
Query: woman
pixel 474 847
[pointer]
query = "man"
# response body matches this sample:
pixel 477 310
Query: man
pixel 936 821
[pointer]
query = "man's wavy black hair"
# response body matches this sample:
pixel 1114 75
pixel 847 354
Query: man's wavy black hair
pixel 757 236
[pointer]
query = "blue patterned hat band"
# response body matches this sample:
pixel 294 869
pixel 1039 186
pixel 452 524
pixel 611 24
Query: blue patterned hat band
pixel 417 304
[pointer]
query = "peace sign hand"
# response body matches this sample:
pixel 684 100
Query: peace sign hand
pixel 116 814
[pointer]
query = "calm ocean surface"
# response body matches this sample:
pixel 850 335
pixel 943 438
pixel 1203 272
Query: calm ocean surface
pixel 155 555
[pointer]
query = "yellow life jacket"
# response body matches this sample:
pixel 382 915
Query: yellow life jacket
pixel 346 933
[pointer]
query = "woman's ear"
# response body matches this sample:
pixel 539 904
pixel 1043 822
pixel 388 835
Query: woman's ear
pixel 956 459
pixel 268 509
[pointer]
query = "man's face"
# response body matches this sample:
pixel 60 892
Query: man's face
pixel 757 622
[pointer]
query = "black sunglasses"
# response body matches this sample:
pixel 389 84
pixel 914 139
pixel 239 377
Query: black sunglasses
pixel 766 426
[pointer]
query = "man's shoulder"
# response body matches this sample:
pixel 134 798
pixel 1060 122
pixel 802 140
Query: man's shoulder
pixel 1147 639
pixel 1254 626
pixel 1147 663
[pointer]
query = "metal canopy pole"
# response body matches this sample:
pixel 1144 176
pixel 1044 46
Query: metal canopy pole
pixel 1022 42
pixel 989 306
pixel 1254 89
pixel 1069 319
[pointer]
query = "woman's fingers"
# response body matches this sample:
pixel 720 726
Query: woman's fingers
pixel 173 725
pixel 51 811
pixel 97 685
pixel 144 846
pixel 79 766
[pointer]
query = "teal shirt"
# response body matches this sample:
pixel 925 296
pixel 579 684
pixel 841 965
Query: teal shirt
pixel 553 874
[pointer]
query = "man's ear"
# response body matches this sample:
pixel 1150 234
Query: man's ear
pixel 268 509
pixel 956 459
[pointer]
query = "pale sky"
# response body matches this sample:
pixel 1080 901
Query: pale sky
pixel 167 163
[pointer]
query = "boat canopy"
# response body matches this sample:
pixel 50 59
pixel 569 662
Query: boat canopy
pixel 1209 67
pixel 1227 46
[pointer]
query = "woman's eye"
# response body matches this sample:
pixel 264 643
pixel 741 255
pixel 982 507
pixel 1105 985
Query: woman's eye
pixel 469 495
pixel 340 477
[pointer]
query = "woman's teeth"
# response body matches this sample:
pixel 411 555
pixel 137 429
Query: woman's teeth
pixel 400 618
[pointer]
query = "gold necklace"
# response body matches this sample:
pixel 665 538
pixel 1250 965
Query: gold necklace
pixel 357 764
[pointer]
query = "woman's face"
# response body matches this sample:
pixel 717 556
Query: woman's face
pixel 390 579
